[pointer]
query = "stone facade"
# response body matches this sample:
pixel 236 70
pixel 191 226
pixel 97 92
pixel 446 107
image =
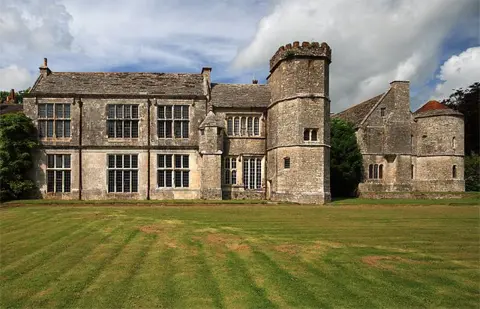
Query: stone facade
pixel 404 151
pixel 180 136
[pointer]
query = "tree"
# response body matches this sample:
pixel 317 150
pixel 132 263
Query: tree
pixel 345 159
pixel 467 102
pixel 17 143
pixel 472 173
pixel 18 95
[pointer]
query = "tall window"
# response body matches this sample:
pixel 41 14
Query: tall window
pixel 122 121
pixel 454 171
pixel 122 173
pixel 375 171
pixel 230 170
pixel 382 111
pixel 252 172
pixel 412 171
pixel 243 126
pixel 286 162
pixel 54 120
pixel 310 135
pixel 454 143
pixel 173 171
pixel 58 173
pixel 173 121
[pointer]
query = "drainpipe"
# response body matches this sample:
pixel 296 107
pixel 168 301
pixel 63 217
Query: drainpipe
pixel 148 148
pixel 80 178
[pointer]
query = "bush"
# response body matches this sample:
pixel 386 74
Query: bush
pixel 17 143
pixel 472 172
pixel 346 159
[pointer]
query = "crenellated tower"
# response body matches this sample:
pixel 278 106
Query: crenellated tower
pixel 298 140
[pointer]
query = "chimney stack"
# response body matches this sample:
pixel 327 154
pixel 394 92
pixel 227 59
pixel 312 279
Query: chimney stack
pixel 255 81
pixel 44 70
pixel 11 97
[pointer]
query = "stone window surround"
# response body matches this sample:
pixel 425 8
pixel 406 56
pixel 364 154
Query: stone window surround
pixel 131 119
pixel 375 172
pixel 65 168
pixel 286 163
pixel 173 167
pixel 312 135
pixel 54 117
pixel 230 171
pixel 133 171
pixel 182 120
pixel 248 132
pixel 247 169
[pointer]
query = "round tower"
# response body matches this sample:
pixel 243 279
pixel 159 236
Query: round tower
pixel 298 141
pixel 439 136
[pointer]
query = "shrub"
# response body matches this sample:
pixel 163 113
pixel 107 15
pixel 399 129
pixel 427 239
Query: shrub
pixel 472 172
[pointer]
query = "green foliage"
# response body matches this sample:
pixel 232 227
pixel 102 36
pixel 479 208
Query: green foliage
pixel 289 54
pixel 17 142
pixel 472 172
pixel 18 95
pixel 346 159
pixel 466 102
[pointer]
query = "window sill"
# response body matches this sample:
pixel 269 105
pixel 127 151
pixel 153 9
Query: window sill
pixel 55 139
pixel 173 189
pixel 121 139
pixel 244 137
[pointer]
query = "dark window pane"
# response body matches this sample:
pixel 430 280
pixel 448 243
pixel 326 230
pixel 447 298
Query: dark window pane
pixel 161 129
pixel 66 161
pixel 286 162
pixel 370 171
pixel 66 132
pixel 58 181
pixel 258 174
pixel 243 126
pixel 111 111
pixel 111 181
pixel 185 112
pixel 250 126
pixel 59 110
pixel 229 126
pixel 119 130
pixel 111 128
pixel 161 112
pixel 168 112
pixel 306 135
pixel 135 111
pixel 177 111
pixel 66 110
pixel 256 126
pixel 42 128
pixel 50 128
pixel 227 177
pixel 126 181
pixel 50 181
pixel 168 129
pixel 111 161
pixel 135 128
pixel 126 129
pixel 134 181
pixel 233 162
pixel 178 161
pixel 161 178
pixel 49 110
pixel 59 128
pixel 227 163
pixel 50 161
pixel 134 161
pixel 245 173
pixel 119 160
pixel 177 126
pixel 128 112
pixel 236 126
pixel 185 161
pixel 67 181
pixel 314 135
pixel 168 162
pixel 178 179
pixel 185 179
pixel 119 111
pixel 380 171
pixel 185 129
pixel 58 161
pixel 234 177
pixel 42 111
pixel 118 181
pixel 126 161
pixel 168 178
pixel 161 161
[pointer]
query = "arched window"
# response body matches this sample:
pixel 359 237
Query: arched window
pixel 375 171
pixel 412 171
pixel 454 143
pixel 236 126
pixel 370 171
pixel 286 162
pixel 454 171
pixel 380 171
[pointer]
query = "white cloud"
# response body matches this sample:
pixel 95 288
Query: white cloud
pixel 460 71
pixel 373 42
pixel 13 77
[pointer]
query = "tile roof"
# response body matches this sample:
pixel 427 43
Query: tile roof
pixel 357 113
pixel 431 105
pixel 435 108
pixel 111 83
pixel 240 95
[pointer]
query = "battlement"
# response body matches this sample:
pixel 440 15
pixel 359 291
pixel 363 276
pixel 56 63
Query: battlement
pixel 297 50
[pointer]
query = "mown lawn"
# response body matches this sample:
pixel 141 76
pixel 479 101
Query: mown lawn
pixel 240 256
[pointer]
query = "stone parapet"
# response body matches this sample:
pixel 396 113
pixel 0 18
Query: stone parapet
pixel 306 49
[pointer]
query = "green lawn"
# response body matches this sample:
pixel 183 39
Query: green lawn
pixel 240 256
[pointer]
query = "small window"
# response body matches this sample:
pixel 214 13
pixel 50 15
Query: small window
pixel 243 126
pixel 380 171
pixel 412 171
pixel 370 171
pixel 375 171
pixel 454 143
pixel 310 135
pixel 454 171
pixel 286 162
pixel 382 111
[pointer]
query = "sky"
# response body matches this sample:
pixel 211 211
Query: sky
pixel 434 44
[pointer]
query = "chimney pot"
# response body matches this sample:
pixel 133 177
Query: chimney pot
pixel 45 62
pixel 255 81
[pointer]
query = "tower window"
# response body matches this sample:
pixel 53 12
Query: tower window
pixel 454 171
pixel 454 143
pixel 382 111
pixel 310 135
pixel 286 162
pixel 412 171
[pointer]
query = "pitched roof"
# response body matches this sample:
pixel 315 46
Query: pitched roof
pixel 357 113
pixel 119 83
pixel 435 108
pixel 431 105
pixel 212 120
pixel 240 95
pixel 6 108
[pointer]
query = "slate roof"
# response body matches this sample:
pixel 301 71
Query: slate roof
pixel 240 95
pixel 357 113
pixel 114 83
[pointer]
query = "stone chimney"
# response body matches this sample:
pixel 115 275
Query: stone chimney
pixel 255 81
pixel 44 70
pixel 11 97
pixel 207 87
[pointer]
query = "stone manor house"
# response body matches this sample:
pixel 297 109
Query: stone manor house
pixel 181 136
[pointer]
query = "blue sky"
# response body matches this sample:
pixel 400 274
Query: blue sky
pixel 434 44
